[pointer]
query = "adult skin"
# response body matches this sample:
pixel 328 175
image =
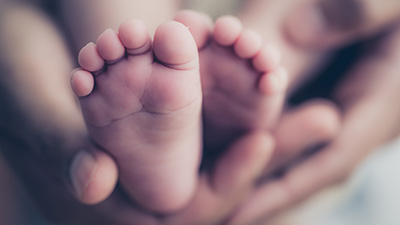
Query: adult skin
pixel 368 93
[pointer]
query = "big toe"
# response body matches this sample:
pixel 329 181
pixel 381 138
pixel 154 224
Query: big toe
pixel 174 46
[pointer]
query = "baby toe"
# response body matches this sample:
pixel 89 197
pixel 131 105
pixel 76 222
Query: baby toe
pixel 275 82
pixel 134 36
pixel 89 58
pixel 174 46
pixel 267 59
pixel 248 44
pixel 227 30
pixel 109 46
pixel 82 83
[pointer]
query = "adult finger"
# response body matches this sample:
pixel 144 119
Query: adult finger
pixel 229 183
pixel 93 175
pixel 303 128
pixel 330 23
pixel 40 114
pixel 218 192
pixel 327 167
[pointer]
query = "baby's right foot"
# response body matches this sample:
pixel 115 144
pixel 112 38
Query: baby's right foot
pixel 146 112
pixel 243 82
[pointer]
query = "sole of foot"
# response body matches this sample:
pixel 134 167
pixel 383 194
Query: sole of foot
pixel 141 100
pixel 243 83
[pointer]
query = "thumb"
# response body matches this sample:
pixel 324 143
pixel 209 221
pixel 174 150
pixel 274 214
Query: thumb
pixel 93 175
pixel 331 23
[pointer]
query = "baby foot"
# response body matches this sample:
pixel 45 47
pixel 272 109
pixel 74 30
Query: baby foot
pixel 243 82
pixel 141 101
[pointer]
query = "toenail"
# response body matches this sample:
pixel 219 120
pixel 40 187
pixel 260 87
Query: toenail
pixel 111 62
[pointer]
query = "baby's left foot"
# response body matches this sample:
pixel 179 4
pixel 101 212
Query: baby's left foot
pixel 243 82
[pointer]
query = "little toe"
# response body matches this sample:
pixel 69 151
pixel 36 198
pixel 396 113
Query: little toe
pixel 199 25
pixel 248 44
pixel 227 30
pixel 82 83
pixel 175 47
pixel 267 59
pixel 134 36
pixel 109 46
pixel 89 58
pixel 274 82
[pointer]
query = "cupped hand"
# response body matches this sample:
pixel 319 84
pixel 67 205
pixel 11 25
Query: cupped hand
pixel 220 189
pixel 370 117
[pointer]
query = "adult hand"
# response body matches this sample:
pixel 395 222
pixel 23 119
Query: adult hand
pixel 371 116
pixel 331 23
pixel 219 190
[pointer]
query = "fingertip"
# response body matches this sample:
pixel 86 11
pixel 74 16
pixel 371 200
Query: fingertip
pixel 94 176
pixel 326 118
pixel 244 162
pixel 265 201
pixel 264 145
